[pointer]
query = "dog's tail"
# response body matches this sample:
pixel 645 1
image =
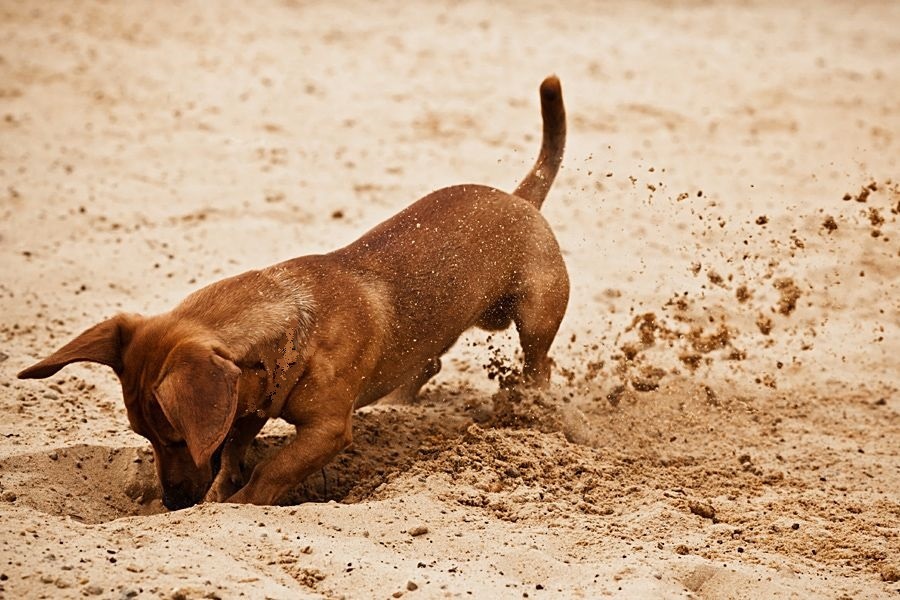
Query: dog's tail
pixel 537 183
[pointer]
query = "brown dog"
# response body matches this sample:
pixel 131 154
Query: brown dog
pixel 312 338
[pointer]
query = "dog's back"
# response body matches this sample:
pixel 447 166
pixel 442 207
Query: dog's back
pixel 470 255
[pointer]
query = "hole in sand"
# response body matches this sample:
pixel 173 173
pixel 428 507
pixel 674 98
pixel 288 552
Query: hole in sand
pixel 91 484
pixel 95 484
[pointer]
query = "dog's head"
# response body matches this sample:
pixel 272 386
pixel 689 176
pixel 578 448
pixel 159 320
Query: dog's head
pixel 180 390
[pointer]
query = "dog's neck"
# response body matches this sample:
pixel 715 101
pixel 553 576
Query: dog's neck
pixel 251 310
pixel 269 372
pixel 264 320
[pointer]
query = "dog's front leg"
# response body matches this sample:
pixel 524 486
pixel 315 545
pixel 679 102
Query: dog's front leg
pixel 314 445
pixel 230 478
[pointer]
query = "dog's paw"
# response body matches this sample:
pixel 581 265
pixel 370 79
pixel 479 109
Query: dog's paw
pixel 214 495
pixel 221 490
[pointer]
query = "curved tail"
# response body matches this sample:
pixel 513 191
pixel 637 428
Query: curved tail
pixel 537 183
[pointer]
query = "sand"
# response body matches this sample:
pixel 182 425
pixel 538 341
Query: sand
pixel 724 418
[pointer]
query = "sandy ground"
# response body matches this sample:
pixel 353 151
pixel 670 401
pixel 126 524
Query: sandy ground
pixel 723 421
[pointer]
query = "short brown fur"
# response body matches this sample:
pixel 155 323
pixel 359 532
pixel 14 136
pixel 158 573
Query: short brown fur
pixel 310 339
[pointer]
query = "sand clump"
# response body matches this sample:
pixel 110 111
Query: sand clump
pixel 789 294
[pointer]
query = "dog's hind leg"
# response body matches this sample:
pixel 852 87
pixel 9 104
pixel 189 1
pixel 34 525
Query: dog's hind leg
pixel 537 314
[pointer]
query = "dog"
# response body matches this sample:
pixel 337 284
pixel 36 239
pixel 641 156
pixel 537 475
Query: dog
pixel 313 338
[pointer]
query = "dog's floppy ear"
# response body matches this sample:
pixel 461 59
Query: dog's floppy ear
pixel 199 395
pixel 103 343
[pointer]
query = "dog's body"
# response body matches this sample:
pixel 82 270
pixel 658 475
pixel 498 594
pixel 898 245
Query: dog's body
pixel 312 338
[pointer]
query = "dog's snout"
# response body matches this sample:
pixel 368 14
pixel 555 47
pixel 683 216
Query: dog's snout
pixel 177 499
